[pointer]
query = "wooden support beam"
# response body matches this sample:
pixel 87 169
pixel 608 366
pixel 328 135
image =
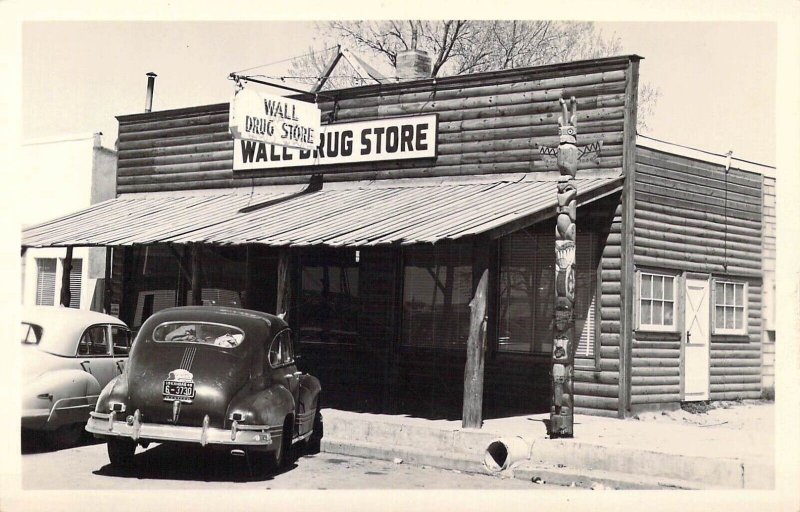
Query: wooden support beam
pixel 107 286
pixel 284 283
pixel 476 350
pixel 66 294
pixel 197 287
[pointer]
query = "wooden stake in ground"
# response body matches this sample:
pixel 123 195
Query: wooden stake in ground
pixel 562 402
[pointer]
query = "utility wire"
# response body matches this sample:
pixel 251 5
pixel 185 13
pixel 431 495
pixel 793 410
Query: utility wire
pixel 724 155
pixel 284 60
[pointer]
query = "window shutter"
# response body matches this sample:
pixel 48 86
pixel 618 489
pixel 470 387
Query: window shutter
pixel 586 342
pixel 45 281
pixel 75 276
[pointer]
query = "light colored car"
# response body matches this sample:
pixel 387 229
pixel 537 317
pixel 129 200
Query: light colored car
pixel 68 356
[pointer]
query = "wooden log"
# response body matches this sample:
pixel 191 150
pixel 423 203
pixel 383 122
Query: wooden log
pixel 727 388
pixel 596 402
pixel 690 167
pixel 699 249
pixel 501 141
pixel 609 352
pixel 595 127
pixel 600 114
pixel 145 165
pixel 612 251
pixel 646 371
pixel 595 389
pixel 654 399
pixel 720 345
pixel 611 313
pixel 648 261
pixel 718 183
pixel 609 365
pixel 656 353
pixel 614 238
pixel 735 363
pixel 655 362
pixel 670 380
pixel 672 389
pixel 690 202
pixel 731 379
pixel 596 412
pixel 660 344
pixel 609 288
pixel 589 97
pixel 730 354
pixel 609 326
pixel 610 340
pixel 476 348
pixel 176 122
pixel 66 269
pixel 735 395
pixel 177 142
pixel 178 186
pixel 478 91
pixel 670 252
pixel 174 132
pixel 596 377
pixel 676 234
pixel 664 213
pixel 610 301
pixel 204 147
pixel 711 195
pixel 170 181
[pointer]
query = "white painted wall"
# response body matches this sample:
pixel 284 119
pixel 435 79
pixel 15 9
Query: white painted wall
pixel 59 176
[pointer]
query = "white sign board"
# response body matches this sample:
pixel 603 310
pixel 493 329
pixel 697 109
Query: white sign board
pixel 396 138
pixel 274 120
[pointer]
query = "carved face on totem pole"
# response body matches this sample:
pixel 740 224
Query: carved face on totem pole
pixel 568 139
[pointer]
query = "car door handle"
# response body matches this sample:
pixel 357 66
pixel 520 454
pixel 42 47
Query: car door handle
pixel 87 370
pixel 120 366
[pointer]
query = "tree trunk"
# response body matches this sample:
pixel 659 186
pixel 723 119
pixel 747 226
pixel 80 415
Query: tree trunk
pixel 476 350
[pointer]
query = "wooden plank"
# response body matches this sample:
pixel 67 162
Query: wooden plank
pixel 699 250
pixel 628 242
pixel 654 399
pixel 595 389
pixel 678 234
pixel 131 147
pixel 692 202
pixel 750 191
pixel 688 165
pixel 708 196
pixel 596 377
pixel 648 261
pixel 654 211
pixel 596 402
pixel 174 132
pixel 476 350
pixel 698 257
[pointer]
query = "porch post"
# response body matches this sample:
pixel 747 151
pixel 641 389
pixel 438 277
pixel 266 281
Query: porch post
pixel 66 294
pixel 562 400
pixel 107 289
pixel 284 282
pixel 197 290
pixel 476 349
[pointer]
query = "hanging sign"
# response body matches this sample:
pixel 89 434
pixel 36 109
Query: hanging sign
pixel 274 120
pixel 395 138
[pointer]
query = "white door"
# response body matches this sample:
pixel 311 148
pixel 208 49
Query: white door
pixel 696 340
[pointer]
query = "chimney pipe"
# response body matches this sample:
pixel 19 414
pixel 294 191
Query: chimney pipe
pixel 151 82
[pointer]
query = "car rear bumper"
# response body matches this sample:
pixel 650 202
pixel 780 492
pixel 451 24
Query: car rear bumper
pixel 107 425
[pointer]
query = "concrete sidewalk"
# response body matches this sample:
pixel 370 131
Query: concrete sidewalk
pixel 605 452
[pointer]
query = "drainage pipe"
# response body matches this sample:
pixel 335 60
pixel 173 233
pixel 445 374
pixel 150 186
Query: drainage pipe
pixel 503 453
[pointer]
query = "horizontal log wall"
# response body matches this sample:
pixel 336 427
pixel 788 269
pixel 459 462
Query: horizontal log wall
pixel 597 390
pixel 488 123
pixel 692 216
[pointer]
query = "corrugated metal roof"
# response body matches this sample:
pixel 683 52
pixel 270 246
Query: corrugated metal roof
pixel 359 216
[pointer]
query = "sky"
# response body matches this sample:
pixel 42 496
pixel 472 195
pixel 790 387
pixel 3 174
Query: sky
pixel 716 79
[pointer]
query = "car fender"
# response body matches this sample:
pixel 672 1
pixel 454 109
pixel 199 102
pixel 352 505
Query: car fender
pixel 116 390
pixel 73 394
pixel 309 392
pixel 262 407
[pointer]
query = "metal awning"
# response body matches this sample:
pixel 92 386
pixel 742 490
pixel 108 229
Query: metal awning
pixel 372 214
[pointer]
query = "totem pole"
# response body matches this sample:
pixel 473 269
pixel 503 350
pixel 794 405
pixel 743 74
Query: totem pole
pixel 561 409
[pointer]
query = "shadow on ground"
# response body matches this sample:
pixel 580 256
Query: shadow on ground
pixel 190 462
pixel 38 441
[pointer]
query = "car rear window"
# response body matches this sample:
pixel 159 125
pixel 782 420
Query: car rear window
pixel 219 335
pixel 31 333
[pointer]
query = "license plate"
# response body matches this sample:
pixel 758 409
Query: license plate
pixel 178 390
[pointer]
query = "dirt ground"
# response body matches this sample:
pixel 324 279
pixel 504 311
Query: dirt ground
pixel 731 414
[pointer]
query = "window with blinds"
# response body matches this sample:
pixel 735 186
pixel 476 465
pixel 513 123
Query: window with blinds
pixel 526 292
pixel 45 281
pixel 75 276
pixel 437 289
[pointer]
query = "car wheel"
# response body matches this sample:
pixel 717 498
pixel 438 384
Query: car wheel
pixel 120 452
pixel 315 439
pixel 281 456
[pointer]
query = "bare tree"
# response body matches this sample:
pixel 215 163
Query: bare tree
pixel 459 47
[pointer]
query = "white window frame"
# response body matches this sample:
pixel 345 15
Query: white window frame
pixel 675 302
pixel 721 330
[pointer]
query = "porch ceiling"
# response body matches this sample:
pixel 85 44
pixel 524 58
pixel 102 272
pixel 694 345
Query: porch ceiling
pixel 338 216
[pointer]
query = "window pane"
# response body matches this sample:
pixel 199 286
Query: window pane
pixel 658 312
pixel 739 290
pixel 328 304
pixel 647 286
pixel 121 340
pixel 720 318
pixel 720 294
pixel 668 313
pixel 669 288
pixel 739 316
pixel 45 281
pixel 728 294
pixel 516 293
pixel 728 318
pixel 646 313
pixel 658 287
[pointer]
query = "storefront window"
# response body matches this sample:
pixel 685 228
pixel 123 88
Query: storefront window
pixel 437 289
pixel 329 299
pixel 526 293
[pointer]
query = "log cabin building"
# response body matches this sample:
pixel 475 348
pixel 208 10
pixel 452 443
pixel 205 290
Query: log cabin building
pixel 376 260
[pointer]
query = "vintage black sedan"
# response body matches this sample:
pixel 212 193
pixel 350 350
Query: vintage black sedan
pixel 214 376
